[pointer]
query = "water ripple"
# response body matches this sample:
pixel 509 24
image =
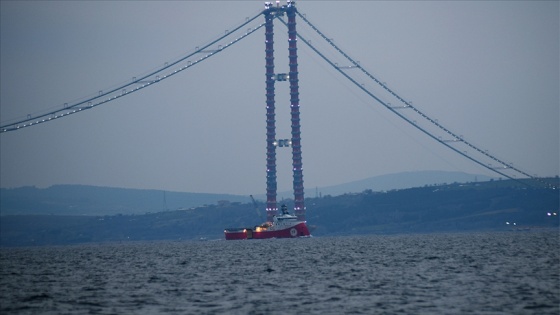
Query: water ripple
pixel 476 273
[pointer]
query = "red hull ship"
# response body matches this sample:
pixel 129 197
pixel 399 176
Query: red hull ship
pixel 282 226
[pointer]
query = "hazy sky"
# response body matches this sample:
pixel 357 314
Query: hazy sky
pixel 486 70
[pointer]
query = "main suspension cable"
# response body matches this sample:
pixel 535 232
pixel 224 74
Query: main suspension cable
pixel 113 94
pixel 446 143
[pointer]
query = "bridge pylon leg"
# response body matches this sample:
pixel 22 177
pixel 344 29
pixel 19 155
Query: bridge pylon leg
pixel 271 205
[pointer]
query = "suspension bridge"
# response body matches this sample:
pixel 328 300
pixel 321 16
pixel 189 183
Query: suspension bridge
pixel 351 70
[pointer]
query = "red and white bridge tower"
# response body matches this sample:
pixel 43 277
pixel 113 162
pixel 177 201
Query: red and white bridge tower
pixel 270 12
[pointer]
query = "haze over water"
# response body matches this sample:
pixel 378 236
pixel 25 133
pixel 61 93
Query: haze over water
pixel 476 273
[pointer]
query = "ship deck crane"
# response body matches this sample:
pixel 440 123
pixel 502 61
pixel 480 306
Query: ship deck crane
pixel 256 206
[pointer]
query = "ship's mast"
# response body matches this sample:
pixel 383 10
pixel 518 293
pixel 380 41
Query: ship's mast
pixel 270 12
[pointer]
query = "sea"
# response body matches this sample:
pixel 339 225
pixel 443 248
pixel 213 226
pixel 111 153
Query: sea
pixel 513 272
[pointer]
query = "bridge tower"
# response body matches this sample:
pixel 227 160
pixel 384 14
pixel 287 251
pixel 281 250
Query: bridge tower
pixel 270 12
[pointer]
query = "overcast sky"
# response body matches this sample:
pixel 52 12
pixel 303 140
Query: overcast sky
pixel 486 70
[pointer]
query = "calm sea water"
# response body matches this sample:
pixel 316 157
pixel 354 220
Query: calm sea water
pixel 477 273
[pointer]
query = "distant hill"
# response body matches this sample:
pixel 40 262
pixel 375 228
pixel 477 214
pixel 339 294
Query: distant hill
pixel 443 208
pixel 93 200
pixel 485 206
pixel 398 181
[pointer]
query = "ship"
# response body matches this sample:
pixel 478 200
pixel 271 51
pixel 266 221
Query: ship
pixel 284 225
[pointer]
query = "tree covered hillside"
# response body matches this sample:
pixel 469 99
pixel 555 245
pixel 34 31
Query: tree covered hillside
pixel 445 208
